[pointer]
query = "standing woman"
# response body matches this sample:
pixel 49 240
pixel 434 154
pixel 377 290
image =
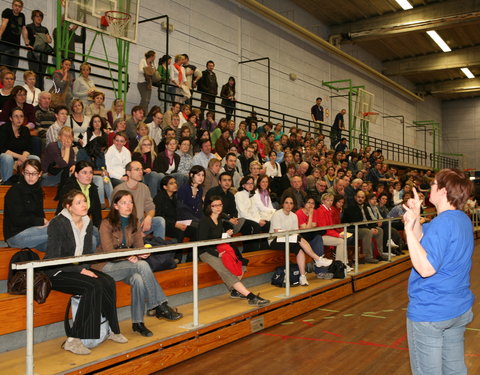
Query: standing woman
pixel 38 56
pixel 24 223
pixel 228 97
pixel 122 230
pixel 440 305
pixel 211 227
pixel 163 64
pixel 285 219
pixel 70 234
pixel 144 81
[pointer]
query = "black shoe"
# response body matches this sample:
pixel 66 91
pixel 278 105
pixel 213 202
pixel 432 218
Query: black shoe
pixel 258 301
pixel 382 258
pixel 165 311
pixel 235 294
pixel 140 328
pixel 371 260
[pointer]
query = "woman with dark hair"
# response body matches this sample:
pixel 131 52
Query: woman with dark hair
pixel 262 198
pixel 24 223
pixel 38 55
pixel 246 204
pixel 440 305
pixel 15 144
pixel 70 233
pixel 122 230
pixel 167 162
pixel 228 97
pixel 285 219
pixel 190 195
pixel 337 208
pixel 201 135
pixel 97 107
pixel 163 63
pixel 272 168
pixel 96 128
pixel 211 227
pixel 252 131
pixel 166 206
pixel 19 100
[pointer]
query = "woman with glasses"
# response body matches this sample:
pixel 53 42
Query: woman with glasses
pixel 211 227
pixel 146 155
pixel 24 223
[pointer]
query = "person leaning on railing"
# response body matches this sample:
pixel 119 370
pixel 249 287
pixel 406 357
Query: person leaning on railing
pixel 70 233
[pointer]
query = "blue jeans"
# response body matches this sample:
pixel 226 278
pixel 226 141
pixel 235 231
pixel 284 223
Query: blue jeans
pixel 6 165
pixel 152 180
pixel 51 180
pixel 104 189
pixel 34 237
pixel 144 285
pixel 438 347
pixel 158 227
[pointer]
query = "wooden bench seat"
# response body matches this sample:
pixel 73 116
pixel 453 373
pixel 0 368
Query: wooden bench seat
pixel 174 281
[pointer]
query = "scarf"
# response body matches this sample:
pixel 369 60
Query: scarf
pixel 265 197
pixel 180 75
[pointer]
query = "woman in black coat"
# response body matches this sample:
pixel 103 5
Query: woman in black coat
pixel 24 223
pixel 70 234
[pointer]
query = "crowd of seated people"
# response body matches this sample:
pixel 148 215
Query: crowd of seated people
pixel 178 174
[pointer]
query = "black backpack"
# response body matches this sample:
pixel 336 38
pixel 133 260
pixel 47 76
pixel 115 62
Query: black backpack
pixel 278 277
pixel 161 261
pixel 338 269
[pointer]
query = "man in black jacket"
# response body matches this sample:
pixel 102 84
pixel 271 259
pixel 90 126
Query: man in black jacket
pixel 208 86
pixel 230 212
pixel 366 232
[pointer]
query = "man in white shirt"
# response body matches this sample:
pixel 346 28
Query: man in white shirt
pixel 154 127
pixel 117 157
pixel 203 157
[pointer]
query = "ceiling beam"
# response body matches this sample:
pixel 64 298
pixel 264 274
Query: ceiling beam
pixel 460 58
pixel 456 86
pixel 433 16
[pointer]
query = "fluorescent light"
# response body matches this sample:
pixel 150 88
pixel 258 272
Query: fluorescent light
pixel 467 72
pixel 438 39
pixel 404 4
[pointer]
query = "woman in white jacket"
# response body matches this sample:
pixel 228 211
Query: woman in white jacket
pixel 246 206
pixel 262 199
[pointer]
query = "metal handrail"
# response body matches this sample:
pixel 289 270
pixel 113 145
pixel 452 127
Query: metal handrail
pixel 32 265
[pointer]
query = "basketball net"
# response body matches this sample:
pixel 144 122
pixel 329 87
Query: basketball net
pixel 116 22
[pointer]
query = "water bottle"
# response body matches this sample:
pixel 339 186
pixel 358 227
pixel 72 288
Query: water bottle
pixel 105 177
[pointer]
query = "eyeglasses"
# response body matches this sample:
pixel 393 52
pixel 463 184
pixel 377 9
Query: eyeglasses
pixel 31 174
pixel 147 144
pixel 137 169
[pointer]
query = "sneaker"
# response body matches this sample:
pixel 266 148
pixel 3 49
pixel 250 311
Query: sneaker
pixel 392 244
pixel 303 280
pixel 117 337
pixel 75 346
pixel 165 311
pixel 236 295
pixel 323 262
pixel 325 275
pixel 258 301
pixel 371 260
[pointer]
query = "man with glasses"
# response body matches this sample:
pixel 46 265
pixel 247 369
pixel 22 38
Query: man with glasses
pixel 317 192
pixel 142 199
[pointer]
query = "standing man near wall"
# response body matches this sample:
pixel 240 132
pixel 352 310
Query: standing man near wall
pixel 13 25
pixel 337 127
pixel 317 112
pixel 208 86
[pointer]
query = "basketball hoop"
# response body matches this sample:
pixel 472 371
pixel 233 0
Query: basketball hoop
pixel 370 117
pixel 116 22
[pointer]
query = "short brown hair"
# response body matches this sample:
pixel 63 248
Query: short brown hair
pixel 459 187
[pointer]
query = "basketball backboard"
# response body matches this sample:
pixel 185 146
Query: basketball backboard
pixel 364 103
pixel 89 13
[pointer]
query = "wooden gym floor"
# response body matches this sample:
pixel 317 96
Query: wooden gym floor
pixel 361 334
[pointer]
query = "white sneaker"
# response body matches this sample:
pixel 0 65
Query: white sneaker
pixel 303 280
pixel 392 244
pixel 323 262
pixel 348 269
pixel 75 346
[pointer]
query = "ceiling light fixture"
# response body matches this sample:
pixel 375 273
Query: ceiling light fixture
pixel 404 4
pixel 467 72
pixel 438 39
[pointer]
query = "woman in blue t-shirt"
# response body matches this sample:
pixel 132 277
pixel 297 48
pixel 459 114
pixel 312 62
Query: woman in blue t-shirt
pixel 441 301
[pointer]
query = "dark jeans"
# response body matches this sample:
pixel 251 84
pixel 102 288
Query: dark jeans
pixel 9 57
pixel 38 63
pixel 229 106
pixel 207 100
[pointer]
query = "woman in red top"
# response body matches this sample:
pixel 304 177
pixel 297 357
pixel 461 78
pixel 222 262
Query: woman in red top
pixel 332 236
pixel 337 208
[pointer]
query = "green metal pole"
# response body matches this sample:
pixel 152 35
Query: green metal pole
pixel 59 35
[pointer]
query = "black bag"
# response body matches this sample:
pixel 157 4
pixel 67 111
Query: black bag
pixel 338 269
pixel 278 277
pixel 161 261
pixel 17 280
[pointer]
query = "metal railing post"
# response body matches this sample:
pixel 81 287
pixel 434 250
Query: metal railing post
pixel 389 240
pixel 356 248
pixel 287 264
pixel 195 286
pixel 29 354
pixel 345 247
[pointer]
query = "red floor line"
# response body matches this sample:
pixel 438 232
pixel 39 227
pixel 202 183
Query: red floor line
pixel 334 334
pixel 399 340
